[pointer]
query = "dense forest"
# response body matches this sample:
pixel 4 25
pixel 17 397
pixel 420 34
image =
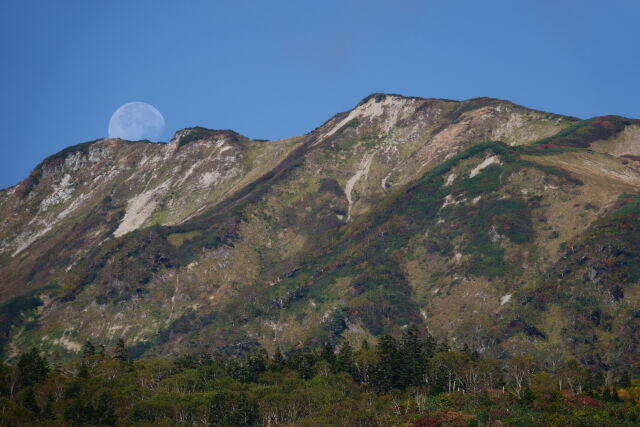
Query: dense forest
pixel 410 381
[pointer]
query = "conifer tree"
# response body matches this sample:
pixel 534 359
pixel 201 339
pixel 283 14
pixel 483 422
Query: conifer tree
pixel 430 345
pixel 104 412
pixel 83 372
pixel 33 368
pixel 120 352
pixel 625 380
pixel 344 359
pixel 257 364
pixel 29 402
pixel 443 346
pixel 328 354
pixel 47 411
pixel 88 349
pixel 278 362
pixel 387 375
pixel 412 357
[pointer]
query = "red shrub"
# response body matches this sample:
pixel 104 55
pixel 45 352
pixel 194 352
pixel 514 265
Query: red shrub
pixel 588 401
pixel 427 422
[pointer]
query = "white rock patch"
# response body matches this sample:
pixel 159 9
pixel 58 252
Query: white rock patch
pixel 68 344
pixel 25 240
pixel 139 209
pixel 450 178
pixel 209 178
pixel 384 180
pixel 365 164
pixel 486 162
pixel 372 109
pixel 505 299
pixel 61 192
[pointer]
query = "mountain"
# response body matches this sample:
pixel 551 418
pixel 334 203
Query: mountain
pixel 495 226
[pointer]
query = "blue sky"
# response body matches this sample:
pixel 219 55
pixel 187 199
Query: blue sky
pixel 271 69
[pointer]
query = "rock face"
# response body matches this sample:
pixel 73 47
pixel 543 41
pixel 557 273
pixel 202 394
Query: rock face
pixel 499 227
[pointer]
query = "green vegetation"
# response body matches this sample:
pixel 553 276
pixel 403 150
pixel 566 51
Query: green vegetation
pixel 194 134
pixel 17 310
pixel 284 259
pixel 589 284
pixel 353 123
pixel 578 136
pixel 411 381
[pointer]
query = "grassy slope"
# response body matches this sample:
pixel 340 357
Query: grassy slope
pixel 271 263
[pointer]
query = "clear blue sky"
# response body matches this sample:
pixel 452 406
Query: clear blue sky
pixel 271 69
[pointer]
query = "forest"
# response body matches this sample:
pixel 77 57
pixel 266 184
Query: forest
pixel 407 381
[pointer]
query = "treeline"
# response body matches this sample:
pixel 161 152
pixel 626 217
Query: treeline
pixel 411 381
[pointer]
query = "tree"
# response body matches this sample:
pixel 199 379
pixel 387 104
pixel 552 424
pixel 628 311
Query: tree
pixel 256 364
pixel 233 409
pixel 519 369
pixel 104 412
pixel 120 352
pixel 573 375
pixel 448 370
pixel 413 361
pixel 78 414
pixel 365 361
pixel 387 371
pixel 33 368
pixel 47 411
pixel 88 349
pixel 29 402
pixel 547 396
pixel 429 345
pixel 303 361
pixel 345 359
pixel 328 354
pixel 278 362
pixel 625 380
pixel 480 374
pixel 443 346
pixel 83 372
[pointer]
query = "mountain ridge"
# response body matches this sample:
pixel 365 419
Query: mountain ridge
pixel 397 211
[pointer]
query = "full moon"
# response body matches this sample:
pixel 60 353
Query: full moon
pixel 135 121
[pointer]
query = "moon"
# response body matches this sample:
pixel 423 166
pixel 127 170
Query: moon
pixel 136 121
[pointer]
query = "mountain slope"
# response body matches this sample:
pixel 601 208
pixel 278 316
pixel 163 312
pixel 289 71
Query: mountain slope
pixel 398 211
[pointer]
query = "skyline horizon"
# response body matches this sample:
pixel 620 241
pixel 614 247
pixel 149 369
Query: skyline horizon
pixel 274 70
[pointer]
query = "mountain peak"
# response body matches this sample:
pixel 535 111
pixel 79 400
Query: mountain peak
pixel 451 214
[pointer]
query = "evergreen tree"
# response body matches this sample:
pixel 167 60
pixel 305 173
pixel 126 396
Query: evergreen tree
pixel 205 359
pixel 77 414
pixel 257 364
pixel 104 413
pixel 303 361
pixel 443 346
pixel 278 362
pixel 328 354
pixel 387 373
pixel 466 349
pixel 625 380
pixel 430 345
pixel 47 411
pixel 120 352
pixel 412 358
pixel 233 409
pixel 83 372
pixel 33 368
pixel 527 396
pixel 29 402
pixel 88 349
pixel 345 359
